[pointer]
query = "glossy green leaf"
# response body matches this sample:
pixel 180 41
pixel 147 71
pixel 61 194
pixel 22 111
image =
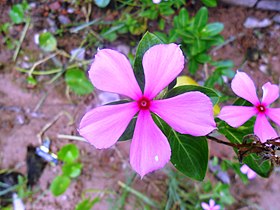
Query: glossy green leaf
pixel 68 153
pixel 210 3
pixel 102 3
pixel 87 204
pixel 198 46
pixel 17 13
pixel 78 82
pixel 47 42
pixel 128 134
pixel 183 18
pixel 212 29
pixel 72 170
pixel 189 153
pixel 147 41
pixel 201 18
pixel 236 135
pixel 203 58
pixel 59 185
pixel 192 65
pixel 187 36
pixel 188 88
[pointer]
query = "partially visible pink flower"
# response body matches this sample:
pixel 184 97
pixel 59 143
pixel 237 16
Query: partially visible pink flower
pixel 249 172
pixel 211 206
pixel 235 116
pixel 156 1
pixel 188 113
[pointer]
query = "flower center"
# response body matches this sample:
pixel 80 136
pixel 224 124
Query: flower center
pixel 261 108
pixel 144 103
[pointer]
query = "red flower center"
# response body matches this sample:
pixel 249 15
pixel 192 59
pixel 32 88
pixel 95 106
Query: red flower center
pixel 261 108
pixel 144 103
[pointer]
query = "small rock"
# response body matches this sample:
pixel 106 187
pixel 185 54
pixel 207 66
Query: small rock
pixel 78 53
pixel 276 18
pixel 245 3
pixel 123 49
pixel 252 22
pixel 269 5
pixel 106 97
pixel 263 68
pixel 64 19
pixel 52 24
pixel 54 5
pixel 32 5
pixel 36 38
pixel 70 10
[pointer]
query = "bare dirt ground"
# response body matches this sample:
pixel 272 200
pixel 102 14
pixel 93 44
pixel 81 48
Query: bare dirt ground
pixel 21 120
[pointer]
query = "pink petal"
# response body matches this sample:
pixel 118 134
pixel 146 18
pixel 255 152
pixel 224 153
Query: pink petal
pixel 244 169
pixel 205 206
pixel 236 116
pixel 149 148
pixel 270 93
pixel 188 113
pixel 251 174
pixel 211 203
pixel 273 114
pixel 243 86
pixel 112 72
pixel 263 129
pixel 104 125
pixel 162 63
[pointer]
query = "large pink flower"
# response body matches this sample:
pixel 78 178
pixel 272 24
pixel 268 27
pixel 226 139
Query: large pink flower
pixel 188 113
pixel 235 116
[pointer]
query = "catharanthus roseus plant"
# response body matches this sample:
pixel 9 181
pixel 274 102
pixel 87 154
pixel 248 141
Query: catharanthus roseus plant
pixel 244 87
pixel 187 113
pixel 174 123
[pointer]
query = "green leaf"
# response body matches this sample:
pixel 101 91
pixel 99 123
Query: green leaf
pixel 78 82
pixel 210 3
pixel 212 29
pixel 203 58
pixel 47 42
pixel 189 154
pixel 87 204
pixel 187 88
pixel 72 170
pixel 236 135
pixel 192 65
pixel 68 153
pixel 187 36
pixel 198 46
pixel 59 185
pixel 201 18
pixel 102 3
pixel 17 14
pixel 128 134
pixel 183 18
pixel 147 41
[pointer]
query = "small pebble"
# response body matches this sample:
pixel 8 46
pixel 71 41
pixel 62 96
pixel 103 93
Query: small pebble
pixel 78 53
pixel 64 19
pixel 252 22
pixel 106 97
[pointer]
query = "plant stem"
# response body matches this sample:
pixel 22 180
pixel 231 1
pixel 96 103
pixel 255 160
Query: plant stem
pixel 21 38
pixel 222 142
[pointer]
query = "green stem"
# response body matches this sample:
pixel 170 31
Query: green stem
pixel 21 38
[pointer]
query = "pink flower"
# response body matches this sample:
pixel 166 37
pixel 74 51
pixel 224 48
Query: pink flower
pixel 156 1
pixel 188 113
pixel 235 116
pixel 210 206
pixel 249 172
